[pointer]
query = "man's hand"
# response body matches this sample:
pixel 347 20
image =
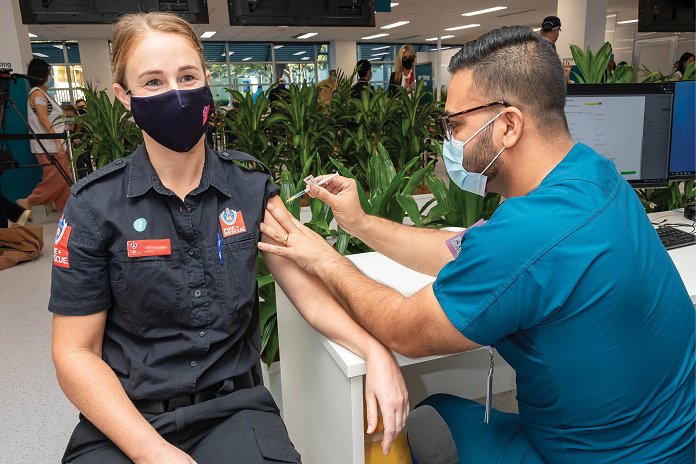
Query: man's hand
pixel 385 387
pixel 297 242
pixel 341 194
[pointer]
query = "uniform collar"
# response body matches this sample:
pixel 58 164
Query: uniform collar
pixel 142 176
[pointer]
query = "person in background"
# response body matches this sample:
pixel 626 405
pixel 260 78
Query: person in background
pixel 81 105
pixel 551 29
pixel 685 60
pixel 12 211
pixel 567 280
pixel 364 69
pixel 404 74
pixel 154 294
pixel 45 116
pixel 327 87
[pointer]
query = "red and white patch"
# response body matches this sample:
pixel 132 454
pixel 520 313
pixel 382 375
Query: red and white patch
pixel 140 248
pixel 231 222
pixel 206 111
pixel 61 257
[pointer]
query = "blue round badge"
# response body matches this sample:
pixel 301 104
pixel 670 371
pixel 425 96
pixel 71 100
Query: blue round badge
pixel 140 224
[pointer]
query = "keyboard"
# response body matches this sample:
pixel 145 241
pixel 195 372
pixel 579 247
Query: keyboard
pixel 675 238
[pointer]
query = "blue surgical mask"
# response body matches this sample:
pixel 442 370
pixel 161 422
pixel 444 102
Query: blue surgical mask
pixel 50 82
pixel 453 154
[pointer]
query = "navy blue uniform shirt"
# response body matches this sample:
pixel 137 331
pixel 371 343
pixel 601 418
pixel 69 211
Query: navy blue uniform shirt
pixel 178 278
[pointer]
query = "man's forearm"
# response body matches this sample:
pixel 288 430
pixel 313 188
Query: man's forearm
pixel 417 248
pixel 372 305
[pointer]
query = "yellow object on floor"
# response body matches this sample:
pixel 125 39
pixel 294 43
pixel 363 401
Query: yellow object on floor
pixel 398 454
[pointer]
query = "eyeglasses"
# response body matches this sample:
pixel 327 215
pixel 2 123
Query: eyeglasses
pixel 445 119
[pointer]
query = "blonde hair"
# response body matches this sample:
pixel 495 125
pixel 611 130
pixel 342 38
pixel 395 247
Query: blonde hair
pixel 131 27
pixel 399 69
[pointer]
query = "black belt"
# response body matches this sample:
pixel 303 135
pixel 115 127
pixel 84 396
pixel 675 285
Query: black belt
pixel 225 387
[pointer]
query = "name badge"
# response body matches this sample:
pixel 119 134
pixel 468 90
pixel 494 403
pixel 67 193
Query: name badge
pixel 231 222
pixel 140 248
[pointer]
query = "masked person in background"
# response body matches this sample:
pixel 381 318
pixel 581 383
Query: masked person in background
pixel 567 280
pixel 404 74
pixel 45 116
pixel 154 295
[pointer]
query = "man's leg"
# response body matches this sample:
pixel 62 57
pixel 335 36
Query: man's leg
pixel 501 441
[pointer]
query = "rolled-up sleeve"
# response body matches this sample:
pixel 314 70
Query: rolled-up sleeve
pixel 80 276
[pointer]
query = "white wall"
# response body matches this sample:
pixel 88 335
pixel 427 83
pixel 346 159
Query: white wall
pixel 96 63
pixel 15 49
pixel 343 55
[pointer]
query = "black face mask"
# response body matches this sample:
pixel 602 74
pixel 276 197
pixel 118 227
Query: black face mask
pixel 407 63
pixel 176 119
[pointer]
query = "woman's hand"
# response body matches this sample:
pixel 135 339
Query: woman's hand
pixel 385 387
pixel 166 453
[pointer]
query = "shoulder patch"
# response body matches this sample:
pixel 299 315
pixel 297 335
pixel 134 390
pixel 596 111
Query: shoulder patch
pixel 243 159
pixel 114 166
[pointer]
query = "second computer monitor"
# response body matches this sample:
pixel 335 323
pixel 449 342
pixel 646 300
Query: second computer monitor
pixel 682 159
pixel 628 123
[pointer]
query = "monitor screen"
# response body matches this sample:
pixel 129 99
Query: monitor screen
pixel 682 158
pixel 628 123
pixel 106 12
pixel 341 13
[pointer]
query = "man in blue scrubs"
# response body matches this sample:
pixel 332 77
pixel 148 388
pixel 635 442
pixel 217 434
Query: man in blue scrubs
pixel 567 280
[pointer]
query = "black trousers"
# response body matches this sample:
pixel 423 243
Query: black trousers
pixel 242 427
pixel 8 210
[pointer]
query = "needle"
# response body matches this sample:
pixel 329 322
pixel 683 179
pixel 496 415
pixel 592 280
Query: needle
pixel 321 182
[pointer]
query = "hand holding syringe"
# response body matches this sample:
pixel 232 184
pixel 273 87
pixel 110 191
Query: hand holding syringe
pixel 310 181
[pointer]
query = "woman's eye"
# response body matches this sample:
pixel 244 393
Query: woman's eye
pixel 188 78
pixel 153 82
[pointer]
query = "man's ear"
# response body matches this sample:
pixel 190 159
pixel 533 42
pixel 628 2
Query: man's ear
pixel 120 93
pixel 514 124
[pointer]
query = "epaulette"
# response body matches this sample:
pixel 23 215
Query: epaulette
pixel 233 155
pixel 98 174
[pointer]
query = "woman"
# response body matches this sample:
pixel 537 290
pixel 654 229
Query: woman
pixel 685 60
pixel 155 326
pixel 404 75
pixel 45 116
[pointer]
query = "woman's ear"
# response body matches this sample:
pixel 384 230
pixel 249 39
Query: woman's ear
pixel 120 93
pixel 207 76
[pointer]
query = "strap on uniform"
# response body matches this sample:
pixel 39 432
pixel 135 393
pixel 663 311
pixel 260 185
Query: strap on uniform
pixel 241 156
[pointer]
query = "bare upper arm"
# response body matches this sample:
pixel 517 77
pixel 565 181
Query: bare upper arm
pixel 78 333
pixel 424 329
pixel 35 99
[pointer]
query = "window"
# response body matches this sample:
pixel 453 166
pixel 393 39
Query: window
pixel 64 58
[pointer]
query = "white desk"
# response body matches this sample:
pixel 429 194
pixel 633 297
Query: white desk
pixel 684 258
pixel 322 382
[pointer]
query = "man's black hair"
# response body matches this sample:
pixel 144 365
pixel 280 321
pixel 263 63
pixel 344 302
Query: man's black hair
pixel 519 66
pixel 38 68
pixel 363 67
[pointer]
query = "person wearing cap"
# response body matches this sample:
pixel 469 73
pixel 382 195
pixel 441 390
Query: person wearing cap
pixel 550 28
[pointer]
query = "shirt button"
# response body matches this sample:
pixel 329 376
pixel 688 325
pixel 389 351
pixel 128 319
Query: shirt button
pixel 197 293
pixel 193 364
pixel 191 252
pixel 201 334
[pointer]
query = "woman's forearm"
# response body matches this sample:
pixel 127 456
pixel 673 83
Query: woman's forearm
pixel 91 385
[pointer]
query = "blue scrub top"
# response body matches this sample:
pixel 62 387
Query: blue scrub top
pixel 572 286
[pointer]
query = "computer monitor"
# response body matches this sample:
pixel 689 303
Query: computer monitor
pixel 682 158
pixel 628 123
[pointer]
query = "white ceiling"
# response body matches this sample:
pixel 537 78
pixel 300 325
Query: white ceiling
pixel 427 19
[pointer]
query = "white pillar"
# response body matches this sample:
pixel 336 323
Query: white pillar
pixel 610 30
pixel 15 49
pixel 583 24
pixel 96 63
pixel 343 56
